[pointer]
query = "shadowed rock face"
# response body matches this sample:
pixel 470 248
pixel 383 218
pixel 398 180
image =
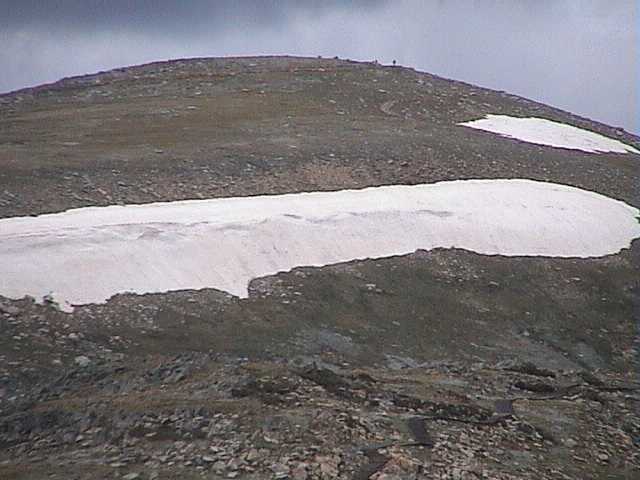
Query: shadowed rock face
pixel 438 334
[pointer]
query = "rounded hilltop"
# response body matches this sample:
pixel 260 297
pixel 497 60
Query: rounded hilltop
pixel 203 128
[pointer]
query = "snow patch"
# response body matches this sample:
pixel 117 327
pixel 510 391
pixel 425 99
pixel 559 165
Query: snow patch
pixel 546 132
pixel 87 255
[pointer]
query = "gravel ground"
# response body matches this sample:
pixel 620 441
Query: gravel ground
pixel 439 364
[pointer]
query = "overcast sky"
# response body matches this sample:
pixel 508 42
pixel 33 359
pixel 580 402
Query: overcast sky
pixel 580 55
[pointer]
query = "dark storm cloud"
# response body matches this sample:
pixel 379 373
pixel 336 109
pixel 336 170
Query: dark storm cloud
pixel 581 55
pixel 150 14
pixel 142 14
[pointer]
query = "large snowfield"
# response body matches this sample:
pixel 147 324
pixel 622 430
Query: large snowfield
pixel 87 255
pixel 546 132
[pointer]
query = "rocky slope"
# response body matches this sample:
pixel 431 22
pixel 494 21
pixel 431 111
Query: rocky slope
pixel 439 364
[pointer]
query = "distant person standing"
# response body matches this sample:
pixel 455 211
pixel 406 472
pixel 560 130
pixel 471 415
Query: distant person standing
pixel 393 63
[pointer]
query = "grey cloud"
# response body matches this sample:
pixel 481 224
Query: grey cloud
pixel 150 14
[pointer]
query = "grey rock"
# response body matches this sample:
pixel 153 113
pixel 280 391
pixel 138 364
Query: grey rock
pixel 253 455
pixel 9 309
pixel 570 443
pixel 300 472
pixel 82 361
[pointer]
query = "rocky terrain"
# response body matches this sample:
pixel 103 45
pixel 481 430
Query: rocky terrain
pixel 440 364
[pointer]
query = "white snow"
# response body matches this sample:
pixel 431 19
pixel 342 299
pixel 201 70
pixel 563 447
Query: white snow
pixel 87 255
pixel 546 132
